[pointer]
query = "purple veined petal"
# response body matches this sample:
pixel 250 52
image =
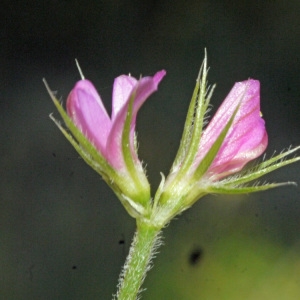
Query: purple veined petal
pixel 247 138
pixel 143 89
pixel 87 111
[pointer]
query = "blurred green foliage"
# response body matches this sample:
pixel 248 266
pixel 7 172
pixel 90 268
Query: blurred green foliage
pixel 238 268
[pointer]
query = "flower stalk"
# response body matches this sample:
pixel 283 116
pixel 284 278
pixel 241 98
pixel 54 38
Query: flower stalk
pixel 138 262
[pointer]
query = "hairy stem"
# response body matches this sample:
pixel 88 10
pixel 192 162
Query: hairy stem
pixel 142 250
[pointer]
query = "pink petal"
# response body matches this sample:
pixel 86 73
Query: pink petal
pixel 86 109
pixel 247 138
pixel 142 89
pixel 123 86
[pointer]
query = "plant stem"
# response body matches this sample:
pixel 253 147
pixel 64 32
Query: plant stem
pixel 138 261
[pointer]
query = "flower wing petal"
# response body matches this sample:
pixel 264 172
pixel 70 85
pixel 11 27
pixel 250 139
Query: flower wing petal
pixel 87 111
pixel 247 137
pixel 123 86
pixel 141 91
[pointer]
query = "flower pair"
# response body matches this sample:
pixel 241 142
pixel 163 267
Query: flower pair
pixel 208 160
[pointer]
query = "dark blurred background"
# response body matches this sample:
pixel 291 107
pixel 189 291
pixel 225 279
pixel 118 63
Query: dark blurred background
pixel 63 233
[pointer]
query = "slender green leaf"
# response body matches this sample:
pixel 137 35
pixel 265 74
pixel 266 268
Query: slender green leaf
pixel 221 189
pixel 258 172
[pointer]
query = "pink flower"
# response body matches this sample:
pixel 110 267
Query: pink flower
pixel 235 135
pixel 247 137
pixel 87 111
